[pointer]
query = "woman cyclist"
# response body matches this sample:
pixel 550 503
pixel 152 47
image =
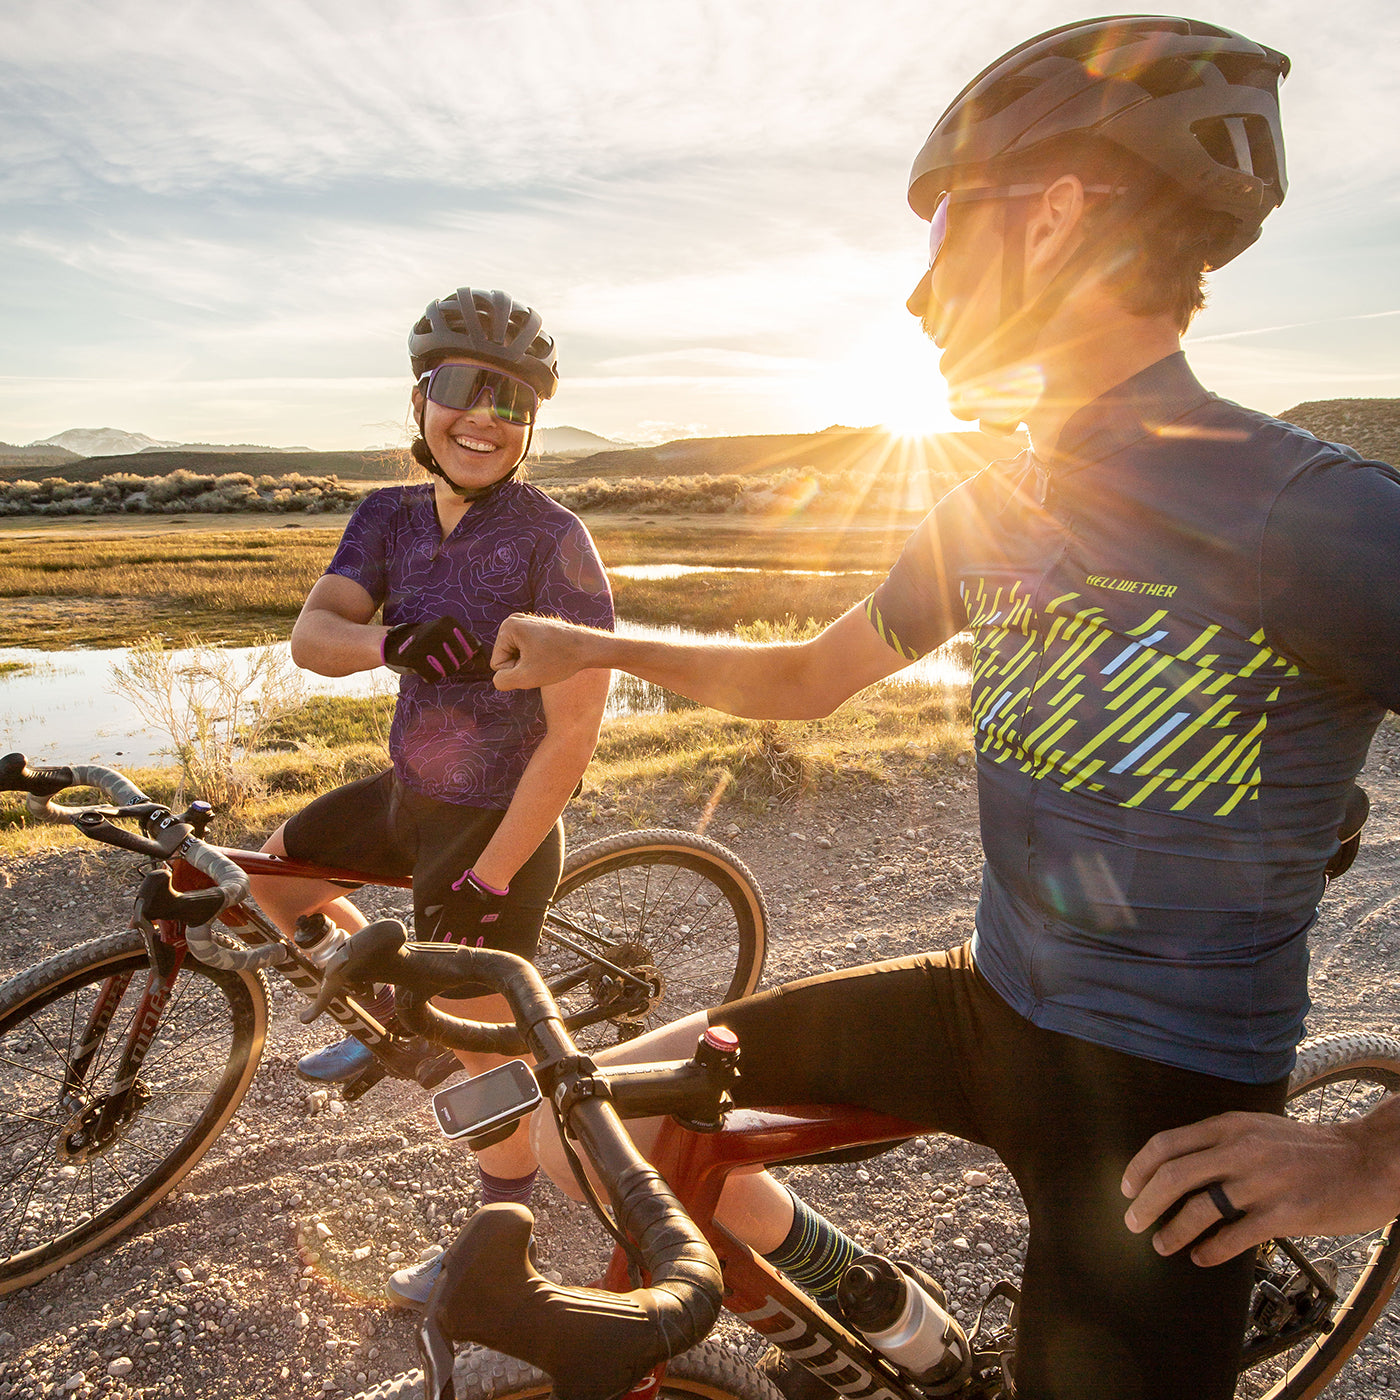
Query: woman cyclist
pixel 471 806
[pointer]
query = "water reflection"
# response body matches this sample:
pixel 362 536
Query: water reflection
pixel 59 706
pixel 651 572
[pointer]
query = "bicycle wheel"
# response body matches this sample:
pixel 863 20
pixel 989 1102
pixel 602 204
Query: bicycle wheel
pixel 708 1370
pixel 1337 1076
pixel 62 1196
pixel 673 908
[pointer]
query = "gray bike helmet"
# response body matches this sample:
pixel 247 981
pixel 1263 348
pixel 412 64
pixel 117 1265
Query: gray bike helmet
pixel 1196 103
pixel 491 327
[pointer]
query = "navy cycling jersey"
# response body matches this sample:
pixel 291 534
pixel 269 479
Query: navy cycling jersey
pixel 1186 632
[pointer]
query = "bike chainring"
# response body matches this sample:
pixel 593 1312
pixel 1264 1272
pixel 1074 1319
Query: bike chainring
pixel 80 1141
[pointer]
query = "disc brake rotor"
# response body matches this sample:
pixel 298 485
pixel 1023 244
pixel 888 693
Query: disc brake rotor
pixel 606 988
pixel 79 1140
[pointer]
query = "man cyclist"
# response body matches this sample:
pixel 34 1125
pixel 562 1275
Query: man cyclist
pixel 1185 635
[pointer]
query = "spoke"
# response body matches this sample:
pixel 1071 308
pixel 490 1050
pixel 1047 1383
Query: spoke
pixel 38 1027
pixel 33 1072
pixel 24 1208
pixel 106 1161
pixel 27 1118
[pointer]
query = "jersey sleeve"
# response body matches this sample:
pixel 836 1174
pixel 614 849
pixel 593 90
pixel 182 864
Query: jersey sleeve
pixel 364 547
pixel 919 606
pixel 1328 571
pixel 570 582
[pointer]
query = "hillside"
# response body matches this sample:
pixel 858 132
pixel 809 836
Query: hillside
pixel 33 458
pixel 380 465
pixel 835 449
pixel 945 454
pixel 1369 426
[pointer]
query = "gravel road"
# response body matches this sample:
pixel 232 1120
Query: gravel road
pixel 263 1273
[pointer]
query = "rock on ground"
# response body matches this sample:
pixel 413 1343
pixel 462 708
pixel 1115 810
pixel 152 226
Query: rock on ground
pixel 264 1273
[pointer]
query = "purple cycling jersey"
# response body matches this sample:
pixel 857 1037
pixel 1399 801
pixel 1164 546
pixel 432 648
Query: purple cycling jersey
pixel 516 550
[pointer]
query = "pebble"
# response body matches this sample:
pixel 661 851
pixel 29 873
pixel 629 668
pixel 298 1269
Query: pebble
pixel 75 1380
pixel 363 1252
pixel 824 842
pixel 185 1275
pixel 323 1231
pixel 120 1366
pixel 732 829
pixel 976 1178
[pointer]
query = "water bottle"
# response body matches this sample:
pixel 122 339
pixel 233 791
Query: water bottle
pixel 899 1319
pixel 318 938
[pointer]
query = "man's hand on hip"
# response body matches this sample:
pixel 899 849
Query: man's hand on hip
pixel 1282 1178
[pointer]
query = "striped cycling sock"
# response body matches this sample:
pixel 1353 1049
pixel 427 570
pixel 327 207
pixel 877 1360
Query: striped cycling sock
pixel 506 1188
pixel 814 1254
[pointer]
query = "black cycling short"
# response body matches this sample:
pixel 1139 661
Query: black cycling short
pixel 382 827
pixel 1103 1316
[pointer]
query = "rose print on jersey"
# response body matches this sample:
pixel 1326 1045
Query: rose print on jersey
pixel 515 551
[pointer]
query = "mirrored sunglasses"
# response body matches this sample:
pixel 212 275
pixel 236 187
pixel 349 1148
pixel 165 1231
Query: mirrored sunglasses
pixel 460 387
pixel 938 224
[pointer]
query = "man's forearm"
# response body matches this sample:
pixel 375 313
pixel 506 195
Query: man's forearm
pixel 757 682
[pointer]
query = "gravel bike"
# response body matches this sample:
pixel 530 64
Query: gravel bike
pixel 1314 1299
pixel 123 1059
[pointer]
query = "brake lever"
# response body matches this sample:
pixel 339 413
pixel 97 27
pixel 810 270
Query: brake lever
pixel 95 825
pixel 369 956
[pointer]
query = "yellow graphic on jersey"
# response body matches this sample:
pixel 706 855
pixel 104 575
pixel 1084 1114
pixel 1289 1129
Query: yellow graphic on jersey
pixel 1113 711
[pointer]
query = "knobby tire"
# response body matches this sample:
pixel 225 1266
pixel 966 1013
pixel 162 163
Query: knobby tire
pixel 56 1208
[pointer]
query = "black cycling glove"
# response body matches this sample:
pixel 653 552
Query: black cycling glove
pixel 438 650
pixel 474 915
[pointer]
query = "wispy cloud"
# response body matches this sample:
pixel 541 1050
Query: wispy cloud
pixel 707 199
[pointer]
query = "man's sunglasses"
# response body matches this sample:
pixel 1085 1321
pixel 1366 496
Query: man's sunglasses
pixel 460 387
pixel 938 225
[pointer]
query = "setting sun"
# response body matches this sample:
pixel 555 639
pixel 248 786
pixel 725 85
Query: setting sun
pixel 888 377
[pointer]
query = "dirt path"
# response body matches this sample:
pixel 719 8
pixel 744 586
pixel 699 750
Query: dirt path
pixel 229 1290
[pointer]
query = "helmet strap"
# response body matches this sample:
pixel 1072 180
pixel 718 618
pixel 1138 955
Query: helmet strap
pixel 470 494
pixel 1022 322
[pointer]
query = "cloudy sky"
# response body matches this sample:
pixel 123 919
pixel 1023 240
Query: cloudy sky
pixel 219 220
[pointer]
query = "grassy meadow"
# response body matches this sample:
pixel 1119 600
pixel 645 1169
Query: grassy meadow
pixel 101 588
pixel 110 587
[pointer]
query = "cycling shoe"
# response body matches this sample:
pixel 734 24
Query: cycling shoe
pixel 336 1064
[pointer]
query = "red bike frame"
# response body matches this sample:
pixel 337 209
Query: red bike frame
pixel 696 1165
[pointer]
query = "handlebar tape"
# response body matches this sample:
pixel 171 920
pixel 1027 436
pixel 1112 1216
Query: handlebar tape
pixel 17 776
pixel 595 1345
pixel 380 952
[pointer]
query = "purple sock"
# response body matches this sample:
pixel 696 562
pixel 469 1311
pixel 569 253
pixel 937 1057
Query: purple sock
pixel 506 1188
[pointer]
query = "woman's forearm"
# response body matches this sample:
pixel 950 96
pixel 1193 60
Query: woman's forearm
pixel 332 645
pixel 758 682
pixel 544 790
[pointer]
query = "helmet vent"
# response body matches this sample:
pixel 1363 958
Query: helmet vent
pixel 1241 143
pixel 1001 96
pixel 1168 76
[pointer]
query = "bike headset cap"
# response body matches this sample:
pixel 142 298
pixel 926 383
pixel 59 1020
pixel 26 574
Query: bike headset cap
pixel 1195 104
pixel 497 330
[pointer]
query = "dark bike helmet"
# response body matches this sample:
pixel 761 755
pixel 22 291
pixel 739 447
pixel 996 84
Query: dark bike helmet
pixel 495 329
pixel 491 327
pixel 1196 103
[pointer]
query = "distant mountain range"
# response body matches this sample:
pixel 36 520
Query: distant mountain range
pixel 116 442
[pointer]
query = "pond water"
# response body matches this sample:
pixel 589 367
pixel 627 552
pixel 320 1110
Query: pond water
pixel 664 571
pixel 60 707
